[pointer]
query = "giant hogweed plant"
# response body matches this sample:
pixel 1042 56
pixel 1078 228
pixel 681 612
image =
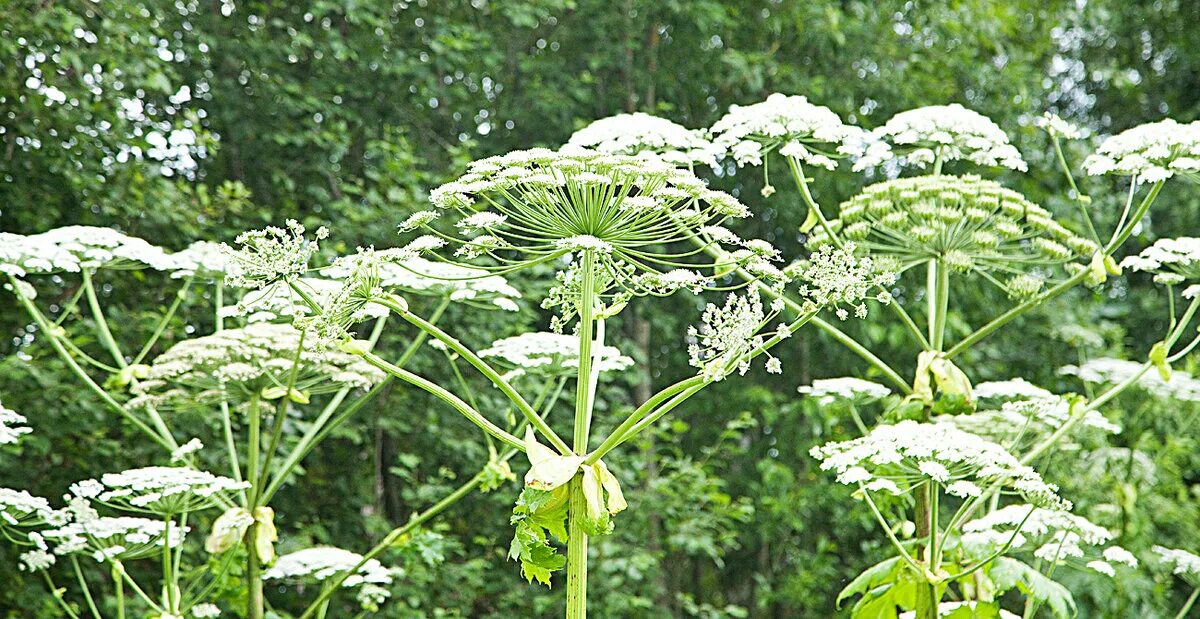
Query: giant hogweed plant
pixel 618 230
pixel 619 224
pixel 948 472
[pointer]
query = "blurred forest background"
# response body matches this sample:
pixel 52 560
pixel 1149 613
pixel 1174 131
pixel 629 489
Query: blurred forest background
pixel 196 119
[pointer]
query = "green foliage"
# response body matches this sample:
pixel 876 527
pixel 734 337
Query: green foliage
pixel 537 515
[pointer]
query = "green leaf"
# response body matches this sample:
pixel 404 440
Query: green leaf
pixel 870 578
pixel 1008 573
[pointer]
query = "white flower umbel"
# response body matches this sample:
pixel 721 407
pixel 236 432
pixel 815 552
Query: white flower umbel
pixel 846 388
pixel 633 216
pixel 272 255
pixel 812 134
pixel 204 259
pixel 11 429
pixel 967 223
pixel 926 135
pixel 552 354
pixel 1172 260
pixel 324 562
pixel 19 508
pixel 21 255
pixel 1022 419
pixel 1011 389
pixel 119 538
pixel 1151 152
pixel 1182 386
pixel 1057 127
pixel 164 490
pixel 837 279
pixel 899 457
pixel 728 332
pixel 637 133
pixel 72 248
pixel 1181 562
pixel 244 362
pixel 206 611
pixel 1055 536
pixel 439 279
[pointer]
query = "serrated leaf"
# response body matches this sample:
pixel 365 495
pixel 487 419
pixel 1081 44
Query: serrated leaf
pixel 1008 573
pixel 869 579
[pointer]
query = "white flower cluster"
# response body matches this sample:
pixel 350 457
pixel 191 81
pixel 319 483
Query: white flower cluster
pixel 1182 386
pixel 322 563
pixel 1053 535
pixel 834 277
pixel 420 276
pixel 10 430
pixel 206 611
pixel 161 490
pixel 73 248
pixel 114 538
pixel 552 354
pixel 1173 260
pixel 637 133
pixel 1057 127
pixel 242 362
pixel 810 133
pixel 1011 389
pixel 204 259
pixel 1151 152
pixel 272 255
pixel 946 133
pixel 633 217
pixel 894 458
pixel 1027 417
pixel 847 388
pixel 1182 562
pixel 722 343
pixel 18 507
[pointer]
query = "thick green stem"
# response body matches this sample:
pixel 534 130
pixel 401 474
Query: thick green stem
pixel 577 539
pixel 1188 604
pixel 254 586
pixel 255 605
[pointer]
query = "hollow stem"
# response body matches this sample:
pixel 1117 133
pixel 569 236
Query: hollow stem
pixel 577 538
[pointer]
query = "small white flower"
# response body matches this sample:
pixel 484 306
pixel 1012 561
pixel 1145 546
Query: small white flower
pixel 10 432
pixel 792 124
pixel 638 133
pixel 1056 126
pixel 946 132
pixel 829 390
pixel 1181 561
pixel 186 449
pixel 325 562
pixel 1151 152
pixel 1182 386
pixel 552 353
pixel 206 611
